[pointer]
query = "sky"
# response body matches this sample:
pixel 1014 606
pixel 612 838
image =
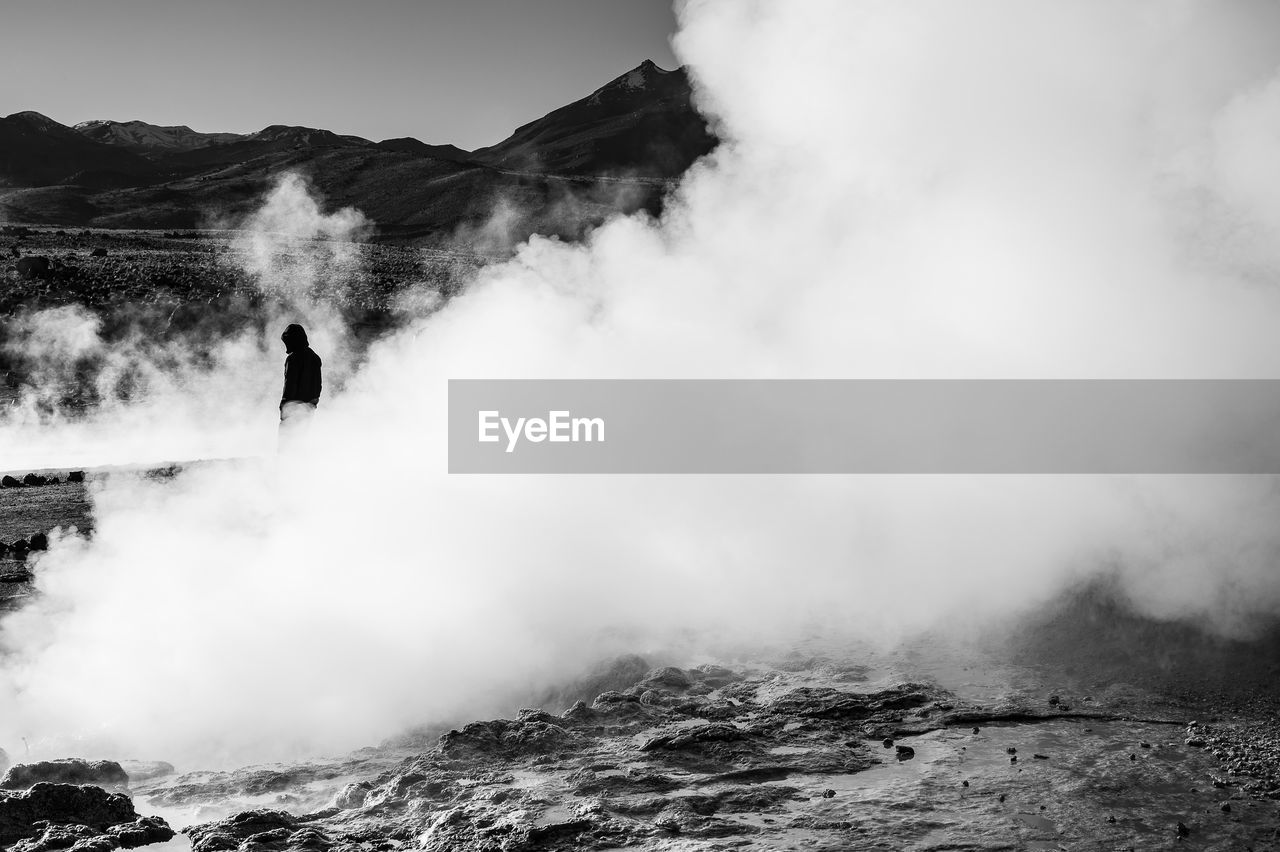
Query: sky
pixel 466 72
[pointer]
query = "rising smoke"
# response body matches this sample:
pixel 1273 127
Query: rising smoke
pixel 1002 188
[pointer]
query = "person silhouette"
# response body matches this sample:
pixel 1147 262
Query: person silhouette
pixel 301 381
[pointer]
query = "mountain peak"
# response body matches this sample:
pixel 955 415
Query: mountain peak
pixel 30 116
pixel 643 76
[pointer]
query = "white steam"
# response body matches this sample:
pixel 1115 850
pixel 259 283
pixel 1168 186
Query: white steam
pixel 1001 188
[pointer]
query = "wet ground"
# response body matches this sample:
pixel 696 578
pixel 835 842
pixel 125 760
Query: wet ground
pixel 1076 740
pixel 762 756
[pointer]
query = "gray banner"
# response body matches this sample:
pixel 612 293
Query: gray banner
pixel 863 426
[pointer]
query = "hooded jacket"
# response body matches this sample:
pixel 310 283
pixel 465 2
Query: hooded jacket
pixel 301 368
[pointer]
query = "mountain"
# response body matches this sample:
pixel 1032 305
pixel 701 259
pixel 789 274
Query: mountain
pixel 275 139
pixel 151 138
pixel 409 145
pixel 640 128
pixel 35 150
pixel 640 123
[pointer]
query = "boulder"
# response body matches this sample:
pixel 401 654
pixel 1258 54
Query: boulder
pixel 687 738
pixel 145 770
pixel 33 479
pixel 505 737
pixel 352 796
pixel 104 773
pixel 7 481
pixel 19 548
pixel 98 252
pixel 38 541
pixel 33 267
pixel 140 832
pixel 669 677
pixel 60 804
pixel 75 476
pixel 263 825
pixel 827 703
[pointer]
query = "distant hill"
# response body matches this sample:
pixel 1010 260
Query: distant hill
pixel 641 127
pixel 143 138
pixel 409 145
pixel 35 150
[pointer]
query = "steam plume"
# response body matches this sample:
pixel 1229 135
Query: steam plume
pixel 1003 188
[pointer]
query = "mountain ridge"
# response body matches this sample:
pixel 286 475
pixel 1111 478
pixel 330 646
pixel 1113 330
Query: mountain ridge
pixel 640 127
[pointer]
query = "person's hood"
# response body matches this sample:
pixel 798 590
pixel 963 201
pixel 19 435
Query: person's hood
pixel 295 338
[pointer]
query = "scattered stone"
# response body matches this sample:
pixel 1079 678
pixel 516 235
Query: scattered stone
pixel 1054 700
pixel 1144 744
pixel 1225 807
pixel 1011 750
pixel 964 783
pixel 1039 757
pixel 888 742
pixel 102 773
pixel 1111 819
pixel 1182 830
pixel 1133 756
pixel 905 752
pixel 98 252
pixel 1002 798
pixel 828 794
pixel 975 730
pixel 1013 759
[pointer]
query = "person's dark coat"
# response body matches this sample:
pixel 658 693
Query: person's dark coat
pixel 301 368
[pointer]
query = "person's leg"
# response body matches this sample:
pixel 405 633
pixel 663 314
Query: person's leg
pixel 294 418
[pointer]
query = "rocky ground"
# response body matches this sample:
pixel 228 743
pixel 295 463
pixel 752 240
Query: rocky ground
pixel 95 267
pixel 813 749
pixel 1102 731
